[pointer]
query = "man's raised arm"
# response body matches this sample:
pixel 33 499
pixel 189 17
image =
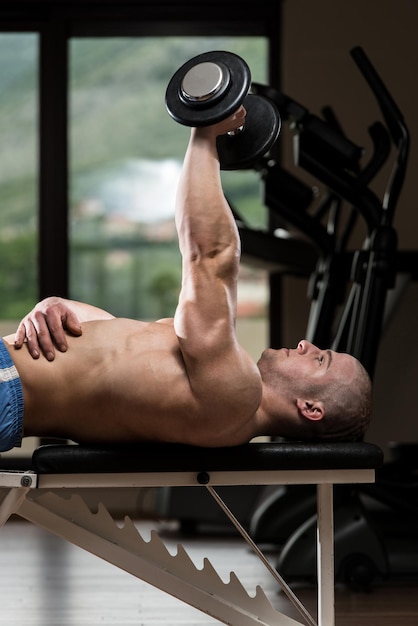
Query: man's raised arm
pixel 209 242
pixel 224 380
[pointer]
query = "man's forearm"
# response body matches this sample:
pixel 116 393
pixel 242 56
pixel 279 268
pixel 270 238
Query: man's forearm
pixel 205 224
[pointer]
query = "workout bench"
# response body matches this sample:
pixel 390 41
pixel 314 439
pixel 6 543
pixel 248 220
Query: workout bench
pixel 40 495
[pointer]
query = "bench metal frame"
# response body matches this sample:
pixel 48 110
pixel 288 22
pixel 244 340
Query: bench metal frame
pixel 42 498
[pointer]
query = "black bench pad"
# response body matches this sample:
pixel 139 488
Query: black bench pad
pixel 162 457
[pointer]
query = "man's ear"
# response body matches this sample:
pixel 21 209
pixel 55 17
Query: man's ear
pixel 311 409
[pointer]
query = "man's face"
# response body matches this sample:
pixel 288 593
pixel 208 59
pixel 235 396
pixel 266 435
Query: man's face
pixel 293 369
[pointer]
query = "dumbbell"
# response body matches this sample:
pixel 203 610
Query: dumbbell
pixel 209 88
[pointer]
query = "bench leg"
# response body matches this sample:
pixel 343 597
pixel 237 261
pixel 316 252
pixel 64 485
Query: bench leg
pixel 325 551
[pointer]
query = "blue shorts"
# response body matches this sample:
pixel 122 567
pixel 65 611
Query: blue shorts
pixel 11 402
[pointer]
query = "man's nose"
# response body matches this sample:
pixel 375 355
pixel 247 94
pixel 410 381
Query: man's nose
pixel 305 346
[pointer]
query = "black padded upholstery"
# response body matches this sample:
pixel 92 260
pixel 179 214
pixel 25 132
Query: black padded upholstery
pixel 162 457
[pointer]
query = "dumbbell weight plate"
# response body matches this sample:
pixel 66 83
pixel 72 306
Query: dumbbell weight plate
pixel 260 132
pixel 208 88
